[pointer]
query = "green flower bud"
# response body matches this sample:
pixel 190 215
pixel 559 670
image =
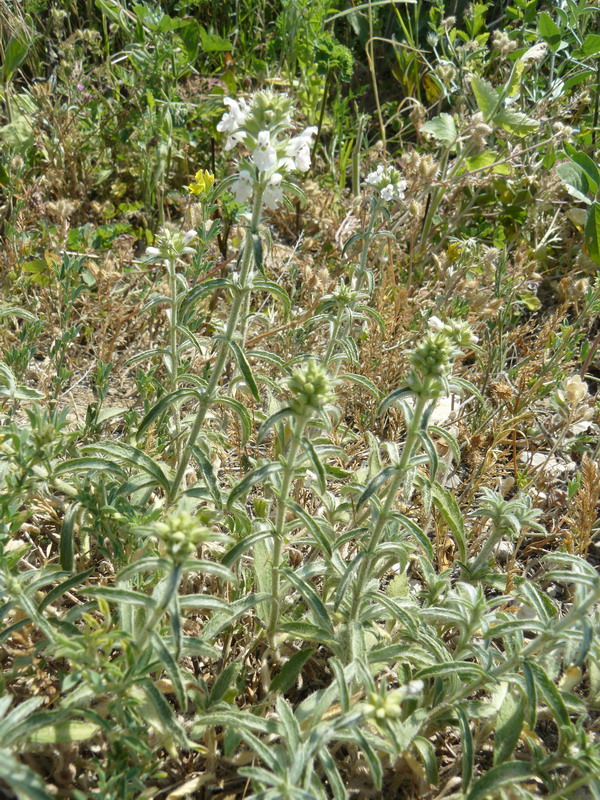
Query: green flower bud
pixel 268 111
pixel 261 507
pixel 181 533
pixel 344 295
pixel 433 356
pixel 312 389
pixel 460 333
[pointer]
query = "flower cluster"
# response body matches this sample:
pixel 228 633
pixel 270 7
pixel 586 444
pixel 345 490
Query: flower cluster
pixel 181 533
pixel 433 357
pixel 388 182
pixel 262 126
pixel 388 705
pixel 171 244
pixel 312 389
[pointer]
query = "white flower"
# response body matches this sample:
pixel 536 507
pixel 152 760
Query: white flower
pixel 152 252
pixel 435 323
pixel 273 194
pixel 388 183
pixel 265 155
pixel 575 390
pixel 298 149
pixel 234 139
pixel 374 177
pixel 535 53
pixel 387 193
pixel 243 186
pixel 235 117
pixel 187 239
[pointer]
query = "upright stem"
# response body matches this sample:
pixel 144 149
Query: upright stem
pixel 358 281
pixel 288 474
pixel 161 606
pixel 223 354
pixel 412 436
pixel 173 346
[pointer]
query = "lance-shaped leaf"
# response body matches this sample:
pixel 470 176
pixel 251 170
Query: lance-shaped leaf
pixel 253 477
pixel 163 405
pixel 288 674
pixel 377 482
pixel 274 419
pixel 134 457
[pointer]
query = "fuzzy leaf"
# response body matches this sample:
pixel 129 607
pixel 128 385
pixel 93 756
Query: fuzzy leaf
pixel 486 96
pixel 442 128
pixel 287 675
pixel 592 232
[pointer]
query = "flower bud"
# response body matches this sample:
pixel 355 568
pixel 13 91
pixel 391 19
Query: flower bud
pixel 181 533
pixel 312 389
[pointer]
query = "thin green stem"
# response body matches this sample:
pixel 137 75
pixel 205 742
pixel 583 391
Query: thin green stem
pixel 223 354
pixel 322 113
pixel 286 482
pixel 339 331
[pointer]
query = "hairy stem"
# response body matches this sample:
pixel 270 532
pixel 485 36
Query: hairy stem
pixel 286 482
pixel 365 568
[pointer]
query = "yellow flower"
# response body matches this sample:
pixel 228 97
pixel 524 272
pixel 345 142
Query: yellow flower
pixel 203 182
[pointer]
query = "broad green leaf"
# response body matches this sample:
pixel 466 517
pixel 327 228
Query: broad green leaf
pixel 442 128
pixel 486 159
pixel 211 43
pixel 487 98
pixel 574 179
pixel 591 171
pixel 14 54
pixel 592 232
pixel 590 46
pixel 549 31
pixel 516 122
